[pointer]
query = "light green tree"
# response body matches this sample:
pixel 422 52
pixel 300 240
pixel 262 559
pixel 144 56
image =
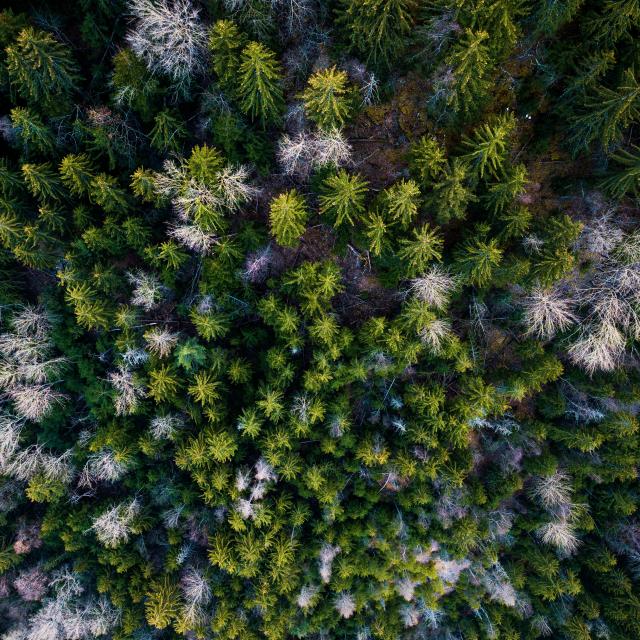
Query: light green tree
pixel 326 101
pixel 288 217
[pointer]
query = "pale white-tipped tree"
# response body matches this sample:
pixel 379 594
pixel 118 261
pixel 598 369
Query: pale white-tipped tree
pixel 406 588
pixel 148 292
pixel 235 187
pixel 258 265
pixel 436 333
pixel 113 527
pixel 103 466
pixel 303 153
pixel 27 367
pixel 160 341
pixel 32 322
pixel 264 472
pixel 129 391
pixel 26 463
pixel 170 37
pixel 134 357
pixel 196 592
pixel 410 615
pixel 32 584
pixel 10 429
pixel 332 147
pixel 307 596
pixel 345 604
pixel 599 348
pixel 327 554
pixel 164 427
pixel 559 533
pixel 193 237
pixel 547 312
pixel 498 586
pixel 34 402
pixel 434 287
pixel 553 490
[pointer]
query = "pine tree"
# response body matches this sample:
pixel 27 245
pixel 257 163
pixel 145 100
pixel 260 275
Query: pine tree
pixel 503 193
pixel 162 603
pixel 133 85
pixel 553 15
pixel 376 232
pixel 259 84
pixel 427 159
pixel 42 181
pixel 288 217
pixel 343 197
pixel 470 64
pixel 326 100
pixel 41 68
pixel 106 193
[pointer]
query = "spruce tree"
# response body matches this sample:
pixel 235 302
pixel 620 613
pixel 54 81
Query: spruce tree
pixel 343 197
pixel 259 84
pixel 41 68
pixel 288 217
pixel 326 101
pixel 377 29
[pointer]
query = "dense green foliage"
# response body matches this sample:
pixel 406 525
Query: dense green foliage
pixel 319 319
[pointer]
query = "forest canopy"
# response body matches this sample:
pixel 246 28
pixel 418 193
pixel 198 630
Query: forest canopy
pixel 319 319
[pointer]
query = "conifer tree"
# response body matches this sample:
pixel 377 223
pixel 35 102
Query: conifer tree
pixel 377 28
pixel 325 99
pixel 76 173
pixel 259 86
pixel 32 131
pixel 470 64
pixel 428 159
pixel 451 194
pixel 168 132
pixel 42 181
pixel 106 193
pixel 40 68
pixel 401 201
pixel 343 197
pixel 607 113
pixel 477 260
pixel 225 44
pixel 626 180
pixel 489 145
pixel 416 253
pixel 288 217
